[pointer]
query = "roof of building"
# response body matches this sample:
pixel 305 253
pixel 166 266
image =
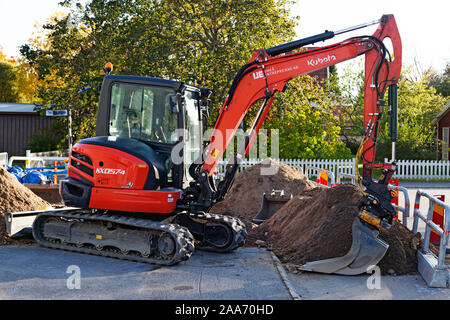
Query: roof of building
pixel 17 108
pixel 441 114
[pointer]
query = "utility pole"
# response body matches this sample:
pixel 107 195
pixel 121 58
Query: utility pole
pixel 69 127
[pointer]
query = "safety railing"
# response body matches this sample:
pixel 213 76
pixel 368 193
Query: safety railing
pixel 341 175
pixel 51 172
pixel 28 159
pixel 3 159
pixel 331 177
pixel 432 268
pixel 406 209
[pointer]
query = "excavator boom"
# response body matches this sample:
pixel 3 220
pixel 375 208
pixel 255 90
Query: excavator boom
pixel 267 73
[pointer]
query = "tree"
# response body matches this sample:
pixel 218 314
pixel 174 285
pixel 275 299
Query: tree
pixel 18 82
pixel 2 55
pixel 418 104
pixel 304 116
pixel 441 82
pixel 8 83
pixel 202 43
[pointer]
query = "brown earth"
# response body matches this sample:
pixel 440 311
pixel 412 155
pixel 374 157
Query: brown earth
pixel 244 199
pixel 401 257
pixel 15 197
pixel 317 224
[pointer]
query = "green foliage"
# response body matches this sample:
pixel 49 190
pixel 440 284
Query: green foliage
pixel 441 82
pixel 418 104
pixel 43 141
pixel 8 83
pixel 17 81
pixel 307 126
pixel 351 98
pixel 198 42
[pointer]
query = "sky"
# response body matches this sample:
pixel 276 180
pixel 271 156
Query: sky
pixel 424 25
pixel 18 19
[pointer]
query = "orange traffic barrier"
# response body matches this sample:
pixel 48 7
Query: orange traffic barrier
pixel 438 218
pixel 323 178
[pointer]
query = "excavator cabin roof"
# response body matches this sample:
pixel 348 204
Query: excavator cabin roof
pixel 149 80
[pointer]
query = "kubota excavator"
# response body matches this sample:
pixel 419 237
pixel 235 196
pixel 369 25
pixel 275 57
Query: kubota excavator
pixel 142 188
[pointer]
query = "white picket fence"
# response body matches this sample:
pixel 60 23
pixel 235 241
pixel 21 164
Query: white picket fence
pixel 407 169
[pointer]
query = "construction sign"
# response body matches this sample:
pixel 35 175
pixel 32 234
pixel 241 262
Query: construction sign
pixel 438 218
pixel 323 178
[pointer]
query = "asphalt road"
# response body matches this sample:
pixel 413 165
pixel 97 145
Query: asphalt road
pixel 314 286
pixel 38 273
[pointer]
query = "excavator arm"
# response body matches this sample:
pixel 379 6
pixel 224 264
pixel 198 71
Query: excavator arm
pixel 269 70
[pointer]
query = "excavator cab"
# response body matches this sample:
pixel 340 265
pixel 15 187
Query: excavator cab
pixel 148 133
pixel 159 113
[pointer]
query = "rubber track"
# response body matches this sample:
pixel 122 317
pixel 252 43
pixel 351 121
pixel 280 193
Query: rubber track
pixel 238 229
pixel 184 239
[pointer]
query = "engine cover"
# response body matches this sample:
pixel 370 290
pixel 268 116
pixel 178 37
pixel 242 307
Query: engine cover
pixel 112 162
pixel 118 174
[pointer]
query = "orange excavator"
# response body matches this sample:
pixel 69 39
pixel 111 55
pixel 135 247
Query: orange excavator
pixel 142 187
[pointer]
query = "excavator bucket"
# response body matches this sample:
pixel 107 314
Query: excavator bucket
pixel 366 251
pixel 271 203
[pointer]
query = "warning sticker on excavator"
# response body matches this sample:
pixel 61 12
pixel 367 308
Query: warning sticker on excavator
pixel 215 153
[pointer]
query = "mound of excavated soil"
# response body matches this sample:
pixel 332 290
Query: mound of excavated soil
pixel 401 257
pixel 317 224
pixel 15 197
pixel 245 196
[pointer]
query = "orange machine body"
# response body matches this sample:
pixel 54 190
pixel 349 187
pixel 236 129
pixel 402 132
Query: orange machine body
pixel 117 180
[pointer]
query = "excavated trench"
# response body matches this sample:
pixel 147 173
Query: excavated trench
pixel 316 224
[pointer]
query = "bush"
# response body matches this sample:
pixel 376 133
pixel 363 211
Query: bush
pixel 42 141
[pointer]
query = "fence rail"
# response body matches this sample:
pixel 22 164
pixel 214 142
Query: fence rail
pixel 407 169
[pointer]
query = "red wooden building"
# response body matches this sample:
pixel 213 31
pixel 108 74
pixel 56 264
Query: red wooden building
pixel 442 123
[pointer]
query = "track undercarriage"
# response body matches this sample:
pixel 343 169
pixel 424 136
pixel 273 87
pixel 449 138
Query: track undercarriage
pixel 164 242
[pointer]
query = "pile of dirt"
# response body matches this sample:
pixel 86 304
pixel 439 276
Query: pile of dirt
pixel 15 197
pixel 244 199
pixel 317 224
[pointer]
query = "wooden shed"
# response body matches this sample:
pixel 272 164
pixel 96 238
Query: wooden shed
pixel 18 123
pixel 442 123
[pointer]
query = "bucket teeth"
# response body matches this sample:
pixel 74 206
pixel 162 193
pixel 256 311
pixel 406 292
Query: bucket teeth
pixel 366 251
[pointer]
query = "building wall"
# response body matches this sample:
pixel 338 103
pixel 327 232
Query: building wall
pixel 444 122
pixel 17 128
